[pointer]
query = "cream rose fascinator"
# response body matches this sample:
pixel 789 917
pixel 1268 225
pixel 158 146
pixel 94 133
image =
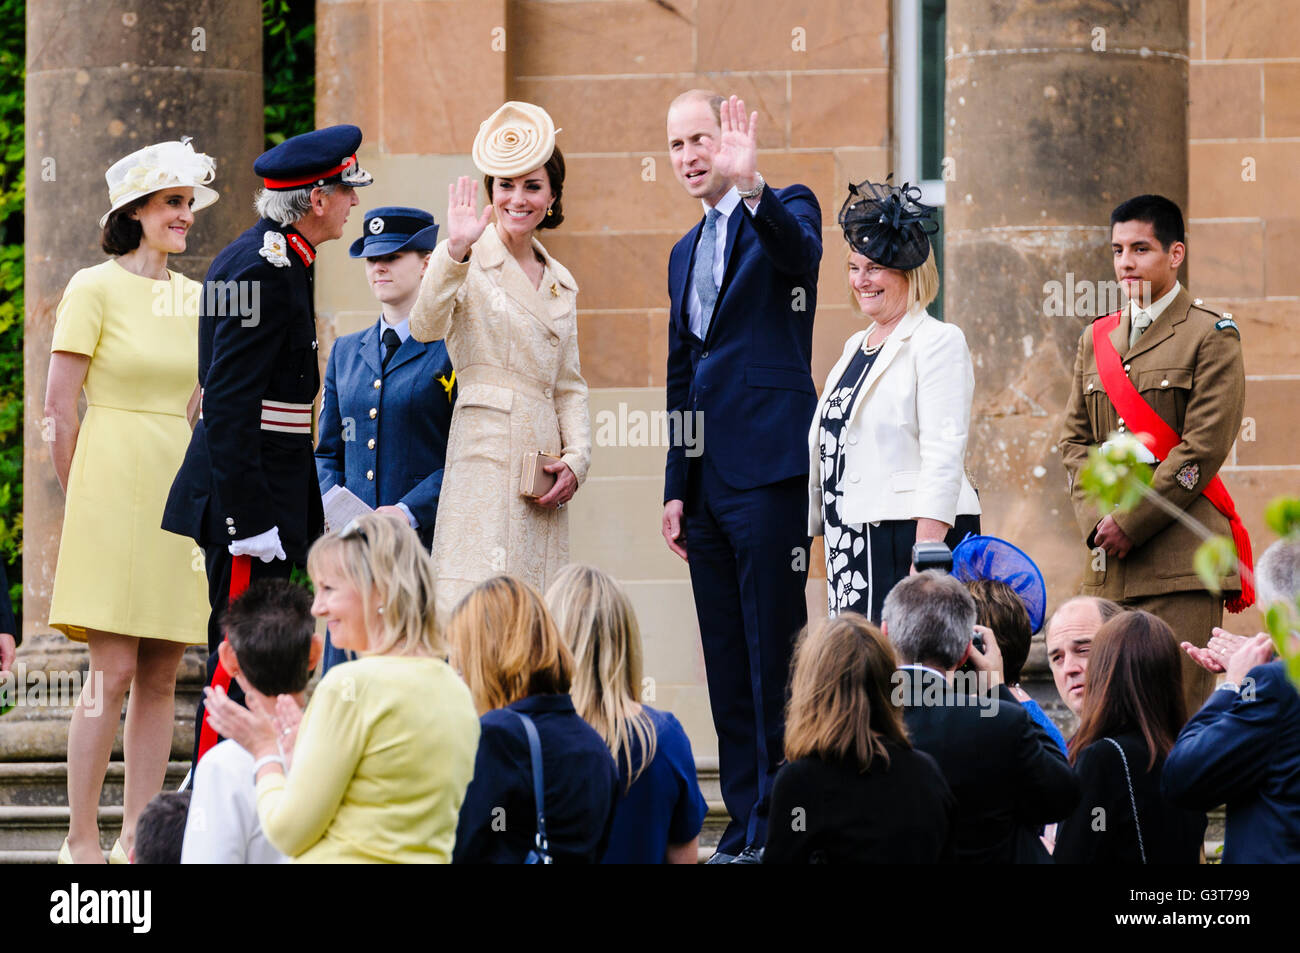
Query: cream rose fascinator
pixel 517 138
pixel 163 165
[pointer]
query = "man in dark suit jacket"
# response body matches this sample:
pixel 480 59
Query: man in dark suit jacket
pixel 246 489
pixel 1243 747
pixel 743 289
pixel 1007 775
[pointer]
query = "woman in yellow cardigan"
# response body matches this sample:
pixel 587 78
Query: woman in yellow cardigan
pixel 378 768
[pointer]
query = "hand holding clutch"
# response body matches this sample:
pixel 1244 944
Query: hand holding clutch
pixel 534 481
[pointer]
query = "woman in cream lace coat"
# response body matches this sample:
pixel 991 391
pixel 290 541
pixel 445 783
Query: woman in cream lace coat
pixel 507 311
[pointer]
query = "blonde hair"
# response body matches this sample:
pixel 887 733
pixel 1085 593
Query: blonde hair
pixel 382 558
pixel 506 645
pixel 922 283
pixel 840 697
pixel 596 620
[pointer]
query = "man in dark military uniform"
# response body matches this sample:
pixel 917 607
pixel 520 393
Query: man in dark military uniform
pixel 1184 361
pixel 246 490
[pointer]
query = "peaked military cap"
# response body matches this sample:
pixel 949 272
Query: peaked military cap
pixel 394 228
pixel 321 157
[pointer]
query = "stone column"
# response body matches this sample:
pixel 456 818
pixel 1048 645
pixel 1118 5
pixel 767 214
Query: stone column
pixel 104 78
pixel 1055 114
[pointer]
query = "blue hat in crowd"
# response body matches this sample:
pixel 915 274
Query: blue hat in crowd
pixel 394 228
pixel 322 157
pixel 987 557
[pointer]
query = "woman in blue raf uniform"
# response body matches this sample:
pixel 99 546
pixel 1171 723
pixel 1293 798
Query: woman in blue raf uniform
pixel 388 398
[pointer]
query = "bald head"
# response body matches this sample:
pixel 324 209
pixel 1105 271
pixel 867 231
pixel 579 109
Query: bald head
pixel 1069 641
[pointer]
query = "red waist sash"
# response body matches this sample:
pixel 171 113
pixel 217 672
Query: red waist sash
pixel 1160 439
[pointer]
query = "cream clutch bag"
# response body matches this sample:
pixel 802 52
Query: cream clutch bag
pixel 535 482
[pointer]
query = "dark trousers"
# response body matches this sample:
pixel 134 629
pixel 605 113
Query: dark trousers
pixel 218 562
pixel 891 554
pixel 748 556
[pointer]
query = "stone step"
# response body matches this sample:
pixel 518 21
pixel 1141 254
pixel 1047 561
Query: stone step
pixel 41 734
pixel 44 828
pixel 45 783
pixel 35 819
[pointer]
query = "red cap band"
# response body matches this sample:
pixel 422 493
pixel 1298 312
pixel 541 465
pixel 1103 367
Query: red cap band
pixel 310 179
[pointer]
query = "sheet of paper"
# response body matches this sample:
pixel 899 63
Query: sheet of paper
pixel 341 507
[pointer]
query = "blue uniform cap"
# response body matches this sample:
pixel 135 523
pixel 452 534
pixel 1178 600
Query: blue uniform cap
pixel 394 228
pixel 322 157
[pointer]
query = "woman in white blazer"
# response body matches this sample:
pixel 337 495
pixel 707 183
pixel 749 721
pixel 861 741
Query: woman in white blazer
pixel 887 445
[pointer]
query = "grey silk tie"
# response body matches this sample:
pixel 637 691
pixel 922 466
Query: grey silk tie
pixel 703 269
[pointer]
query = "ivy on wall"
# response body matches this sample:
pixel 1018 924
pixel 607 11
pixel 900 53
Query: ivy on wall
pixel 288 68
pixel 12 73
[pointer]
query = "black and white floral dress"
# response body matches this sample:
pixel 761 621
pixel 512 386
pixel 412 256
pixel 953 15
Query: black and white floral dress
pixel 847 552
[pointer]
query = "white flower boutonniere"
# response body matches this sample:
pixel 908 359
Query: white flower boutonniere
pixel 274 248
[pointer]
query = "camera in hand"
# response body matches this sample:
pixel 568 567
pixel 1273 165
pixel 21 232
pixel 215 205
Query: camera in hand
pixel 932 556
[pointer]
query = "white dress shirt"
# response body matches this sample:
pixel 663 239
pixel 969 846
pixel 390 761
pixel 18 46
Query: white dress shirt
pixel 726 205
pixel 222 827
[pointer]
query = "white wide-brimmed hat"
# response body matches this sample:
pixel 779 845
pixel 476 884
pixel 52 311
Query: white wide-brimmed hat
pixel 163 165
pixel 517 138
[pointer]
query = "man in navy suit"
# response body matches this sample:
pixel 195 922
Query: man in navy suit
pixel 388 397
pixel 1242 748
pixel 743 289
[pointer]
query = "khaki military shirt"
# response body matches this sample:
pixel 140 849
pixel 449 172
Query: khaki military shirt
pixel 1187 366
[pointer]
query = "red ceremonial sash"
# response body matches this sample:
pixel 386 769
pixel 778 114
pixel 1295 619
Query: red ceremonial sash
pixel 240 569
pixel 1160 439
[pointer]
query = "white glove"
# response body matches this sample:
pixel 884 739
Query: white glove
pixel 265 546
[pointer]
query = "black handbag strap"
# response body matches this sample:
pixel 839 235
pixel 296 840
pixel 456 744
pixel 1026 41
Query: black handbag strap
pixel 535 756
pixel 1128 778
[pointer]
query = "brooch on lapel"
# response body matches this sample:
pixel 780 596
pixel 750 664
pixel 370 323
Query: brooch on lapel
pixel 555 290
pixel 448 383
pixel 1188 476
pixel 273 249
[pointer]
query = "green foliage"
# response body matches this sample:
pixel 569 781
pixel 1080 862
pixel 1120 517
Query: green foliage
pixel 1282 619
pixel 1114 477
pixel 1283 516
pixel 1214 559
pixel 288 69
pixel 12 192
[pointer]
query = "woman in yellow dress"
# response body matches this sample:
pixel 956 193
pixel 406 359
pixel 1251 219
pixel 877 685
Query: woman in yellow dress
pixel 507 311
pixel 127 333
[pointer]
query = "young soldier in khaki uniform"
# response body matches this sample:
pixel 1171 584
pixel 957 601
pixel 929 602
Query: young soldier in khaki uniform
pixel 1185 362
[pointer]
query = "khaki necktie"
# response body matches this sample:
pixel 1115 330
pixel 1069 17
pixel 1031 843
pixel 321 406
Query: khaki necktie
pixel 1140 321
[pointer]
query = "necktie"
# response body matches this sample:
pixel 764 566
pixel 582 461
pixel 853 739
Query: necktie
pixel 391 343
pixel 1140 321
pixel 703 269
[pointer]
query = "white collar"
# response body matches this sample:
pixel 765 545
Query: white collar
pixel 726 205
pixel 1158 306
